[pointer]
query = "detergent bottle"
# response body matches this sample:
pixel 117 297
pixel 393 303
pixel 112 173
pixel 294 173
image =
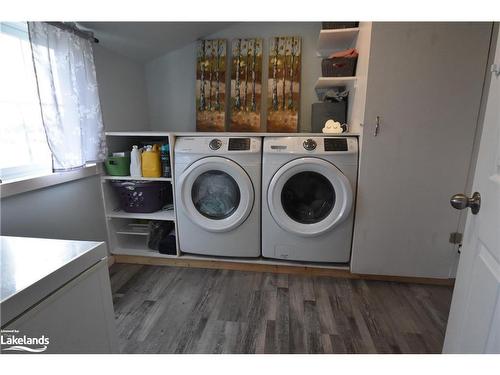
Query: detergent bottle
pixel 150 162
pixel 135 162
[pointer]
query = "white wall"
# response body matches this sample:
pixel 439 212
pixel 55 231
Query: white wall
pixel 122 89
pixel 74 210
pixel 171 83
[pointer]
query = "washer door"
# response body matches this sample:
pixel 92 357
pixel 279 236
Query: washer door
pixel 309 196
pixel 216 194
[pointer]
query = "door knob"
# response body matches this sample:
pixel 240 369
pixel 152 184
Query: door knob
pixel 461 201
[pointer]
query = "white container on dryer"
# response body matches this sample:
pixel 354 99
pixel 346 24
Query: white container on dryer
pixel 309 187
pixel 217 194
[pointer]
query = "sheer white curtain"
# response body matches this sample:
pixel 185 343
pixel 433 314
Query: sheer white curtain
pixel 69 98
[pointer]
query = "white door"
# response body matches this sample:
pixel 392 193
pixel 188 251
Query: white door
pixel 427 92
pixel 216 194
pixel 474 321
pixel 309 196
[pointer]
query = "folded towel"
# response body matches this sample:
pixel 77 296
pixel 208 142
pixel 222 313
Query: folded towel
pixel 349 53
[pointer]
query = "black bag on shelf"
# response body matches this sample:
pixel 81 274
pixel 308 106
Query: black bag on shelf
pixel 338 25
pixel 168 244
pixel 158 232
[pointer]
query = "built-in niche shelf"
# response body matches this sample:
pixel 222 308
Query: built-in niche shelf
pixel 167 215
pixel 336 40
pixel 325 82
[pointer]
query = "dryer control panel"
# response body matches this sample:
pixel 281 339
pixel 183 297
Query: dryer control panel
pixel 217 144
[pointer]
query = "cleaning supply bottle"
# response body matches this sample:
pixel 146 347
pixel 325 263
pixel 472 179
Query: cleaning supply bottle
pixel 135 162
pixel 150 162
pixel 165 160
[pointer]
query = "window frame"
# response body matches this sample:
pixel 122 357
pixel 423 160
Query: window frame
pixel 24 171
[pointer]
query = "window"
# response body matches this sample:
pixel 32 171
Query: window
pixel 24 151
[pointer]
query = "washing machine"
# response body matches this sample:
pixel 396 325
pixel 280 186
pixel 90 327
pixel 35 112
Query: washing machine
pixel 217 189
pixel 309 187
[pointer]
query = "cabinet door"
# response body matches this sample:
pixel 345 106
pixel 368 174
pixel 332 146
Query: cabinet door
pixel 78 318
pixel 425 82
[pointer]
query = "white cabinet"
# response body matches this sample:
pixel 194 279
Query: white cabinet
pixel 424 83
pixel 77 318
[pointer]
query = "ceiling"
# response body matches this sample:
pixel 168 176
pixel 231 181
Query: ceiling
pixel 145 41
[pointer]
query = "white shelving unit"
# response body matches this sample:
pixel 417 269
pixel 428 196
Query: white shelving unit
pixel 128 231
pixel 336 40
pixel 339 39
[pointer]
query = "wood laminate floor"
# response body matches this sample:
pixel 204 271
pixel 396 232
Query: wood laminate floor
pixel 186 310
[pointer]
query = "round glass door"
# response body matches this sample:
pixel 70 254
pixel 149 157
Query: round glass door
pixel 309 196
pixel 216 194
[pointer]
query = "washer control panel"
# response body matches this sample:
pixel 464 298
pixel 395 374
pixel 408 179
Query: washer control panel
pixel 238 144
pixel 336 144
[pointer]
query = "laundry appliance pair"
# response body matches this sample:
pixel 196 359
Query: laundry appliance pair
pixel 289 197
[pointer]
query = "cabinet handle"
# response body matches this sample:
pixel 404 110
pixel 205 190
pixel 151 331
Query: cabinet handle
pixel 377 126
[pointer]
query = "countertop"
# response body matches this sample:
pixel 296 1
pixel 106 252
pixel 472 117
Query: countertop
pixel 226 134
pixel 33 268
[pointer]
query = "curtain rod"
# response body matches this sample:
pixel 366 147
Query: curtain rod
pixel 71 26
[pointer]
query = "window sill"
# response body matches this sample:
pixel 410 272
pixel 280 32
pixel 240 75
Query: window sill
pixel 14 187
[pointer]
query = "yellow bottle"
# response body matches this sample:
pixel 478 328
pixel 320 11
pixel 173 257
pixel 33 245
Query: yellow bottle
pixel 150 162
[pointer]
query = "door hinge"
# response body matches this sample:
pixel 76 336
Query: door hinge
pixel 456 238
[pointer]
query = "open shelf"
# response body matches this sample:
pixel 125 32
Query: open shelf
pixel 136 178
pixel 336 40
pixel 325 82
pixel 146 252
pixel 167 215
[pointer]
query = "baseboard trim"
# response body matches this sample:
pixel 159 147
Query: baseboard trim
pixel 287 269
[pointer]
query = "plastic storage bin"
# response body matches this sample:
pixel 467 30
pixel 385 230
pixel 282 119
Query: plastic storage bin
pixel 118 165
pixel 143 196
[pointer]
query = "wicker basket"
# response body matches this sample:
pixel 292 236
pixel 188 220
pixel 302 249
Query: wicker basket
pixel 339 67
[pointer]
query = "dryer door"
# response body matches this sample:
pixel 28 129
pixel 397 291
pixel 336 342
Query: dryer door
pixel 309 196
pixel 216 194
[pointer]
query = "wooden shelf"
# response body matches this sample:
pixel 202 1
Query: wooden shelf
pixel 166 215
pixel 130 178
pixel 336 40
pixel 324 82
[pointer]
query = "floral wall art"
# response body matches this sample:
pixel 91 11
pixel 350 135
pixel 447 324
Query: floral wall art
pixel 246 85
pixel 211 85
pixel 283 100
